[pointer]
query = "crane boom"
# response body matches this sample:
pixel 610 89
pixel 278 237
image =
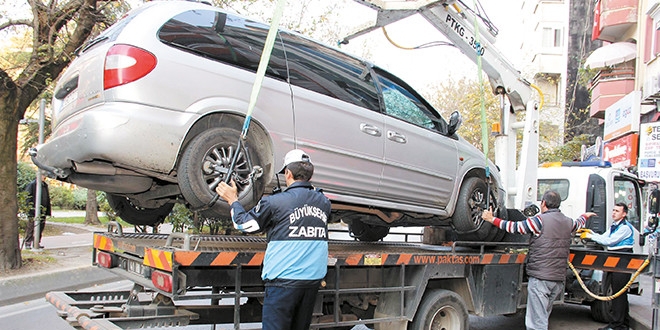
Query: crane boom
pixel 457 23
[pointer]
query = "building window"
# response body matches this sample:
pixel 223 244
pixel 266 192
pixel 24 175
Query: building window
pixel 551 38
pixel 652 32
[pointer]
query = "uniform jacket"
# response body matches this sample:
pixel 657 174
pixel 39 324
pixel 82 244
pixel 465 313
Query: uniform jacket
pixel 295 221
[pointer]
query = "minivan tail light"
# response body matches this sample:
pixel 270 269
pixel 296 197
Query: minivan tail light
pixel 126 63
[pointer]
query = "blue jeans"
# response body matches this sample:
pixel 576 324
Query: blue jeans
pixel 540 296
pixel 288 308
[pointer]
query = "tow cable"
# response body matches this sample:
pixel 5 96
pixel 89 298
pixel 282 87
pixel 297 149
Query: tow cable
pixel 622 291
pixel 256 88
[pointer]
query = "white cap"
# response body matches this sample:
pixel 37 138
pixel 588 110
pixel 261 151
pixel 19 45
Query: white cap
pixel 295 155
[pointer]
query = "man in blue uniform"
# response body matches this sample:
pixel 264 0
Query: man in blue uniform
pixel 620 238
pixel 297 253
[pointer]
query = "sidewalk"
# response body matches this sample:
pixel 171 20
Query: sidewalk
pixel 69 266
pixel 641 312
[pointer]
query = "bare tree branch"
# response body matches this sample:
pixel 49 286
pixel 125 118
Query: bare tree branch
pixel 17 22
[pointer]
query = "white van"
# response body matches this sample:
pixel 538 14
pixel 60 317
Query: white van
pixel 594 186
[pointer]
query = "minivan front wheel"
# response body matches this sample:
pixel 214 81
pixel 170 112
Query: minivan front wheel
pixel 205 162
pixel 467 216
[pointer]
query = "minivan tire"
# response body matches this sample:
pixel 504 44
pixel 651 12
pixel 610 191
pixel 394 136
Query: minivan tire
pixel 216 147
pixel 138 216
pixel 467 213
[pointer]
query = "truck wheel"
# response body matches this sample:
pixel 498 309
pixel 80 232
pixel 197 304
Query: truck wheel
pixel 367 233
pixel 440 309
pixel 138 216
pixel 467 215
pixel 203 162
pixel 600 310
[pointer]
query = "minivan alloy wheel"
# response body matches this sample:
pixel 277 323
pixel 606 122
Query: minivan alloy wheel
pixel 205 163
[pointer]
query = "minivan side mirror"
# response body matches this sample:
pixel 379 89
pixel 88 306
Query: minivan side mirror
pixel 455 120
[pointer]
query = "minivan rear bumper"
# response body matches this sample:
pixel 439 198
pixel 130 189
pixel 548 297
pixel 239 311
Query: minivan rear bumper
pixel 120 133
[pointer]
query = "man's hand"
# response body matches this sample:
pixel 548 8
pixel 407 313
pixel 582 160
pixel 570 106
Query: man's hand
pixel 585 233
pixel 488 215
pixel 227 192
pixel 589 215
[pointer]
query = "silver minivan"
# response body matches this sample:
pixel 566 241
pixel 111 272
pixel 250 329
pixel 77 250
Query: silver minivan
pixel 151 110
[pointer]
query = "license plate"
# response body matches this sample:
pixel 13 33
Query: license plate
pixel 134 267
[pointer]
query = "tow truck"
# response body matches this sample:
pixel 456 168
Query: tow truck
pixel 180 279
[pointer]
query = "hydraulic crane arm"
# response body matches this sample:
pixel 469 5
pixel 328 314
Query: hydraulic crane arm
pixel 456 22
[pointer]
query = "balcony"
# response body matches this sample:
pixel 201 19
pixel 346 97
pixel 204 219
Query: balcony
pixel 616 17
pixel 608 86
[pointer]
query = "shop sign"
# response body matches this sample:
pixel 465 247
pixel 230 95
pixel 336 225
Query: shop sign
pixel 622 117
pixel 622 152
pixel 649 152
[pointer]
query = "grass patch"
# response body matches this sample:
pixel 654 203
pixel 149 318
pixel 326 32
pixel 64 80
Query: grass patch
pixel 33 258
pixel 80 220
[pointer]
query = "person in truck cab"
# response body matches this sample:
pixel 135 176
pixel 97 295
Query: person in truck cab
pixel 618 238
pixel 547 258
pixel 296 257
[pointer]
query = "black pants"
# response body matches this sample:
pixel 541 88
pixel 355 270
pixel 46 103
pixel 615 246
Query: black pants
pixel 287 308
pixel 619 311
pixel 29 230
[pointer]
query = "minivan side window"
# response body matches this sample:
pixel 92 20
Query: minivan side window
pixel 223 37
pixel 329 72
pixel 400 102
pixel 238 41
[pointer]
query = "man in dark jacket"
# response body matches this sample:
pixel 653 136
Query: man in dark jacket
pixel 296 257
pixel 44 211
pixel 547 257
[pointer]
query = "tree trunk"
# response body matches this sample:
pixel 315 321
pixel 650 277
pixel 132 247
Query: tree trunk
pixel 91 209
pixel 46 62
pixel 10 253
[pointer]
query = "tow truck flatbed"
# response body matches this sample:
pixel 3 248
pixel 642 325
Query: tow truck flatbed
pixel 381 283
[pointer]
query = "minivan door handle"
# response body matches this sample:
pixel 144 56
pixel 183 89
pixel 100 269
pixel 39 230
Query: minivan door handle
pixel 396 137
pixel 370 129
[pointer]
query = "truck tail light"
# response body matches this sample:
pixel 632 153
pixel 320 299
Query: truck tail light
pixel 125 63
pixel 105 259
pixel 162 281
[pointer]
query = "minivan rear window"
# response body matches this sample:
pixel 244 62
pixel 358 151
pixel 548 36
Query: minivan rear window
pixel 238 41
pixel 223 37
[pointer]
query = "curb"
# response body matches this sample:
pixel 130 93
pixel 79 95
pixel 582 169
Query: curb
pixel 21 288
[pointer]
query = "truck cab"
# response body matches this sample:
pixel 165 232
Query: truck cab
pixel 594 186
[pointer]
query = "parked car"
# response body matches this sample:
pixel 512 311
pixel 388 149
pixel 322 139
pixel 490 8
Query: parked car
pixel 150 112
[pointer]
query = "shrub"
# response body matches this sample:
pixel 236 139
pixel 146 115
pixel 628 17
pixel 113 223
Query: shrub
pixel 79 198
pixel 105 207
pixel 61 197
pixel 25 173
pixel 180 218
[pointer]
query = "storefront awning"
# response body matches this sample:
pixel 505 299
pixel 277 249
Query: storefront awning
pixel 611 54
